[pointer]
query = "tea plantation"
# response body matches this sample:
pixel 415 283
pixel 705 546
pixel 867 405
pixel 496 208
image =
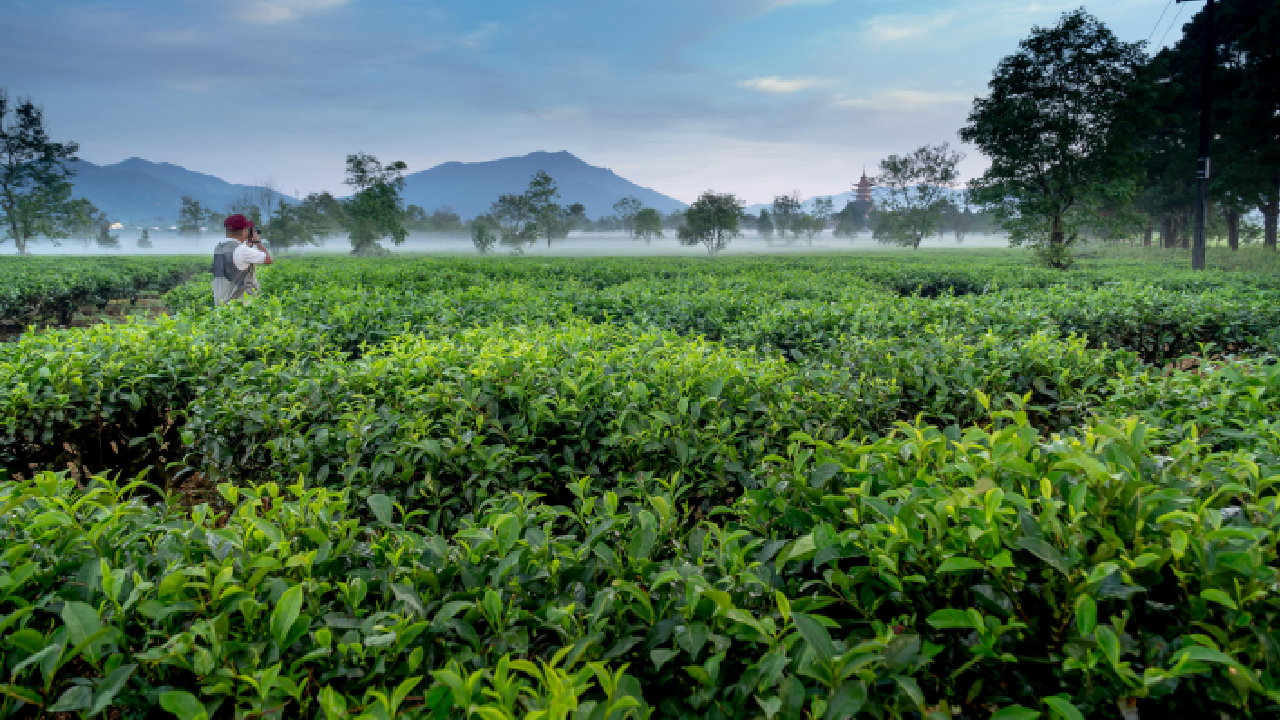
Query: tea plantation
pixel 938 486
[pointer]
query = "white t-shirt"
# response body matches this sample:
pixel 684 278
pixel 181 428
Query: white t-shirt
pixel 244 256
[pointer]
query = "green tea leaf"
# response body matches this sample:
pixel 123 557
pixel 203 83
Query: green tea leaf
pixel 1060 707
pixel 382 508
pixel 76 698
pixel 950 618
pixel 1220 597
pixel 815 635
pixel 1109 644
pixel 908 685
pixel 183 704
pixel 286 612
pixel 110 686
pixel 959 564
pixel 1046 552
pixel 1086 615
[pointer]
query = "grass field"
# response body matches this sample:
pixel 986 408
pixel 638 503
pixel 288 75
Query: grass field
pixel 892 485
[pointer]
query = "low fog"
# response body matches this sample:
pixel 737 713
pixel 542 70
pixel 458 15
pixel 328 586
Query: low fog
pixel 169 242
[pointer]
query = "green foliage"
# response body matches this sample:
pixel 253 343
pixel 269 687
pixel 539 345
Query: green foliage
pixel 35 183
pixel 50 290
pixel 192 217
pixel 482 233
pixel 375 211
pixel 628 210
pixel 304 223
pixel 882 487
pixel 916 198
pixel 711 221
pixel 648 224
pixel 786 208
pixel 1061 130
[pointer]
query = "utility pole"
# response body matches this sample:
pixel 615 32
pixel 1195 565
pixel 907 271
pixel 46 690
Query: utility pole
pixel 1206 135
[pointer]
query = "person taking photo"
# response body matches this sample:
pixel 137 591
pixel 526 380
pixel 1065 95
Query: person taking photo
pixel 236 261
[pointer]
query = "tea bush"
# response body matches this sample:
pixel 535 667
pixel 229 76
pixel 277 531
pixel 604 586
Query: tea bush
pixel 38 288
pixel 879 487
pixel 922 574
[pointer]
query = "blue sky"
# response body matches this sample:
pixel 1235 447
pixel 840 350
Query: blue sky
pixel 756 97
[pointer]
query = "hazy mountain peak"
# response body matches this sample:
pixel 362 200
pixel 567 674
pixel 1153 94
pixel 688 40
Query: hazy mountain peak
pixel 137 189
pixel 469 188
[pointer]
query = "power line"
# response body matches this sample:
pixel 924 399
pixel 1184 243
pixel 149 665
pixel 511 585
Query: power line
pixel 1157 25
pixel 1175 22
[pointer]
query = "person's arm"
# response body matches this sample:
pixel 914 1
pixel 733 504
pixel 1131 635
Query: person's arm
pixel 255 243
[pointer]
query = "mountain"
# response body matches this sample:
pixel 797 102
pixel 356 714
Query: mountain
pixel 839 200
pixel 469 188
pixel 137 190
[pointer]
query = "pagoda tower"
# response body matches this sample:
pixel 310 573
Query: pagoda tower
pixel 863 191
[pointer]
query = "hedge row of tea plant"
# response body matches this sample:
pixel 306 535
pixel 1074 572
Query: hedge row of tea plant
pixel 748 488
pixel 792 305
pixel 51 289
pixel 995 573
pixel 119 398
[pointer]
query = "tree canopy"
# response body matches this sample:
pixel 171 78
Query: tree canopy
pixel 711 221
pixel 376 210
pixel 648 224
pixel 1060 127
pixel 916 195
pixel 35 182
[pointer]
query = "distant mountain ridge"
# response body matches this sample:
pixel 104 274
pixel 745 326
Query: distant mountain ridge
pixel 839 200
pixel 141 191
pixel 469 188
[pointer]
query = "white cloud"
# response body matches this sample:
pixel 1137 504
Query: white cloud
pixel 775 84
pixel 904 99
pixel 890 29
pixel 273 11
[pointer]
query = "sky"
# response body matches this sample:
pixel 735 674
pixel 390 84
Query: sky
pixel 754 97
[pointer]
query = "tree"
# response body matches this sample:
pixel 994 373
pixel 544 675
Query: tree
pixel 785 209
pixel 444 219
pixel 515 227
pixel 849 221
pixel 105 239
pixel 35 182
pixel 627 208
pixel 1246 118
pixel 548 217
pixel 144 242
pixel 482 233
pixel 712 221
pixel 809 225
pixel 764 226
pixel 961 221
pixel 916 194
pixel 256 202
pixel 292 225
pixel 648 224
pixel 816 221
pixel 1060 128
pixel 191 217
pixel 375 211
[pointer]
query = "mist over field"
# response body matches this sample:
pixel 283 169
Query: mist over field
pixel 578 243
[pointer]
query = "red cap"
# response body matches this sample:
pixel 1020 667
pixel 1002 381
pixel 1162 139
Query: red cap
pixel 237 222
